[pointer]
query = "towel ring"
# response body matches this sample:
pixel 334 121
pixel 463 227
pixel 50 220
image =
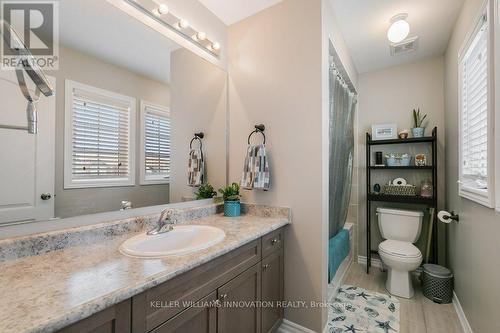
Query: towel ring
pixel 258 129
pixel 197 136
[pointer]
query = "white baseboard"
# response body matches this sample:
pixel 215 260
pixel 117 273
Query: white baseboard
pixel 375 261
pixel 291 327
pixel 461 314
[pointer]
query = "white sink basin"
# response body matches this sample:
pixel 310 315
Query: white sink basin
pixel 183 239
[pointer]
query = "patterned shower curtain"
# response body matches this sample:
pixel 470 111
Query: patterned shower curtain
pixel 341 154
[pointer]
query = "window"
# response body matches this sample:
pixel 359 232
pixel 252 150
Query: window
pixel 155 144
pixel 476 118
pixel 99 137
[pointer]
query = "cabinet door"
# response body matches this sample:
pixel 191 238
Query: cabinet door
pixel 200 318
pixel 272 291
pixel 237 313
pixel 115 319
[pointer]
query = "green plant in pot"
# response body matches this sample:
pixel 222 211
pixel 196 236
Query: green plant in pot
pixel 205 191
pixel 231 194
pixel 419 130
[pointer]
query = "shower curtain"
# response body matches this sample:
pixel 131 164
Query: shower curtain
pixel 341 154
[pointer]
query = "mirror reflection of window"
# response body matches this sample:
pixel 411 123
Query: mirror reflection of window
pixel 155 144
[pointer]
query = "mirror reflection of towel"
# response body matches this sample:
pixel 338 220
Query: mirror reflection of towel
pixel 196 168
pixel 256 169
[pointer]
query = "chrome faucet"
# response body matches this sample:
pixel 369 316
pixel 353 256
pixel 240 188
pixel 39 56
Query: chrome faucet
pixel 165 223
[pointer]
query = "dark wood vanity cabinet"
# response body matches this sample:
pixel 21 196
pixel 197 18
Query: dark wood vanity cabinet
pixel 115 319
pixel 223 295
pixel 272 291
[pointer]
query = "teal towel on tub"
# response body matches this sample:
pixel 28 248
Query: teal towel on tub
pixel 338 250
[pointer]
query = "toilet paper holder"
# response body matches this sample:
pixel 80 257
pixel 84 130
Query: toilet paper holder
pixel 444 215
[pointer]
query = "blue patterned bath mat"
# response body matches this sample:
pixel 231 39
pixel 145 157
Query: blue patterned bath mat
pixel 356 310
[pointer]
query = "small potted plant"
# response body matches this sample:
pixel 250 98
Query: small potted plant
pixel 418 131
pixel 231 196
pixel 205 191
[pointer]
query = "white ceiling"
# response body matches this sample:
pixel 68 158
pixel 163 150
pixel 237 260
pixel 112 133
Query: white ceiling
pixel 99 29
pixel 364 25
pixel 232 11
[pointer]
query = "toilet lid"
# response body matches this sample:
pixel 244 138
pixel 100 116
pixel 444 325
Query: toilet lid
pixel 400 249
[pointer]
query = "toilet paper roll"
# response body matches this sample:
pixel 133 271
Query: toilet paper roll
pixel 444 217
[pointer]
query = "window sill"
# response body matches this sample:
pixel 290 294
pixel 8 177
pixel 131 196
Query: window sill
pixel 481 197
pixel 161 181
pixel 76 184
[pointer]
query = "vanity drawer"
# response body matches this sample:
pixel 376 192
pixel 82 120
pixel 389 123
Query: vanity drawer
pixel 272 242
pixel 157 305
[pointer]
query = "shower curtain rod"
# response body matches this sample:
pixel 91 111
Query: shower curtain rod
pixel 336 62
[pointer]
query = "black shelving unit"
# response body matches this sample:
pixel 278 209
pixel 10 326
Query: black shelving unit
pixel 375 197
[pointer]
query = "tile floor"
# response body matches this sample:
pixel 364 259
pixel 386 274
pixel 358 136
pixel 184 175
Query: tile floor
pixel 419 314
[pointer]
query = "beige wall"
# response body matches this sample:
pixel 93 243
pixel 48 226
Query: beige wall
pixel 389 96
pixel 86 69
pixel 199 103
pixel 275 74
pixel 473 243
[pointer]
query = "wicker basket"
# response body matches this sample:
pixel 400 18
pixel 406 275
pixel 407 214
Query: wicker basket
pixel 406 190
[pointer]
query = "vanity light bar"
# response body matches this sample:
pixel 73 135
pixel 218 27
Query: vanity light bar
pixel 161 14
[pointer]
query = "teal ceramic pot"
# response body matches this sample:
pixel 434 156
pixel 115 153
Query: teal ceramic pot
pixel 418 132
pixel 232 208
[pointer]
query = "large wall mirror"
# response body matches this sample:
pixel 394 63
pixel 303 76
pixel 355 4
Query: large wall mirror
pixel 128 103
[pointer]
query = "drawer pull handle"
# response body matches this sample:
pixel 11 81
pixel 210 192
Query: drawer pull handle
pixel 275 241
pixel 266 266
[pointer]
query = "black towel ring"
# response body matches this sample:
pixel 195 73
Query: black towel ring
pixel 258 129
pixel 197 136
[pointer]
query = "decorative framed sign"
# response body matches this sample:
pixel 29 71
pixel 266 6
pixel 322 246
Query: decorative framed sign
pixel 384 131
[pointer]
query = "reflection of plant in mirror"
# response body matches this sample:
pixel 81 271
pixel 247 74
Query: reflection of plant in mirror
pixel 231 192
pixel 205 191
pixel 418 119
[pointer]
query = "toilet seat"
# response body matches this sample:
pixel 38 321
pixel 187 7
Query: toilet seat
pixel 399 249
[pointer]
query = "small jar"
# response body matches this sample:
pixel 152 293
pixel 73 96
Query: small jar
pixel 426 189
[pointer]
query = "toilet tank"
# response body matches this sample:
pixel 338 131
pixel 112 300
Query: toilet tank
pixel 402 225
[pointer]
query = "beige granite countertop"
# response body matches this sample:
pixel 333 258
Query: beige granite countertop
pixel 46 292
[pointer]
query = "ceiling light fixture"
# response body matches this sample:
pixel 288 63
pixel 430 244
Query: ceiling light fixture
pixel 161 14
pixel 399 29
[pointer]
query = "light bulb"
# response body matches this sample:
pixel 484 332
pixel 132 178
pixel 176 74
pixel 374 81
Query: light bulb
pixel 201 35
pixel 216 46
pixel 163 9
pixel 184 24
pixel 399 29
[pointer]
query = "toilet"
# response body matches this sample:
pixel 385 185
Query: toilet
pixel 400 229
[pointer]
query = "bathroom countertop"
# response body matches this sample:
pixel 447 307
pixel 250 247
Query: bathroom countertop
pixel 49 291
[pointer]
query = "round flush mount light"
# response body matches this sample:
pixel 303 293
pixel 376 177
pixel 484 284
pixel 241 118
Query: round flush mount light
pixel 399 28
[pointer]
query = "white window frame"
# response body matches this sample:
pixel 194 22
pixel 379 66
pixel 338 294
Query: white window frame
pixel 483 197
pixel 69 181
pixel 162 111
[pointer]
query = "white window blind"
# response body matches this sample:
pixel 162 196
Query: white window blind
pixel 474 111
pixel 99 151
pixel 156 157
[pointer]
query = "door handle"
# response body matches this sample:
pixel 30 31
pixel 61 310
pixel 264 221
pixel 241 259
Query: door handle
pixel 46 196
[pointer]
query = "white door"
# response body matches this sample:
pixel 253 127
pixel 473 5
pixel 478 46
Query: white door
pixel 26 160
